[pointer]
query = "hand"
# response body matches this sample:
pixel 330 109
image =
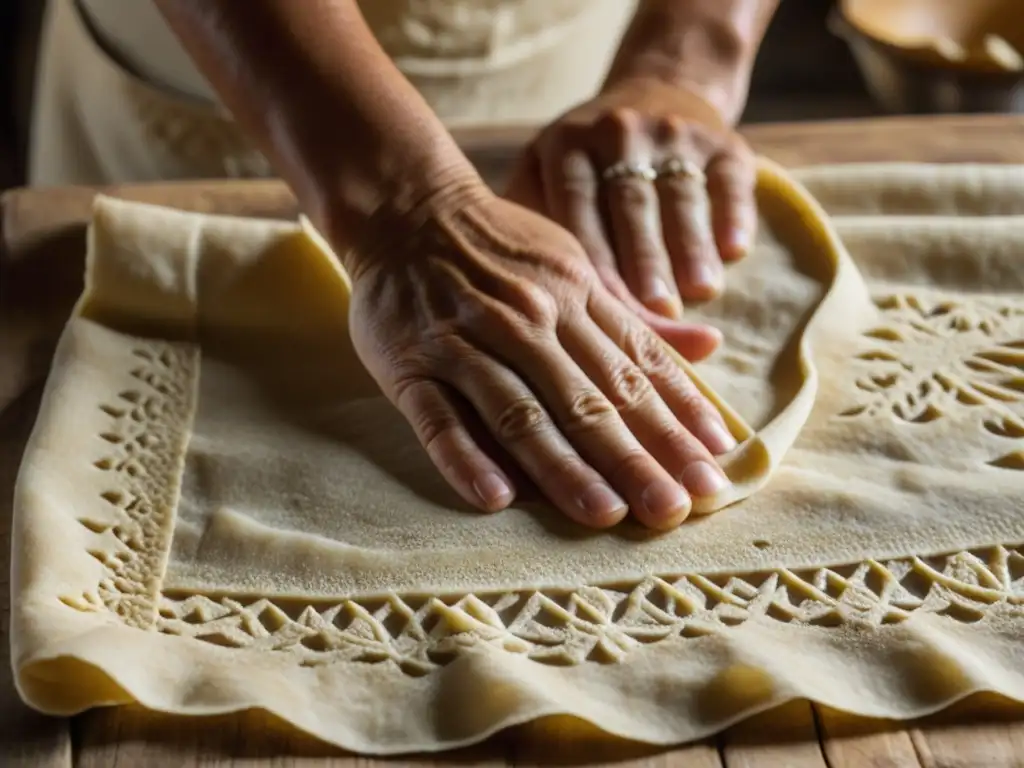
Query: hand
pixel 660 240
pixel 489 324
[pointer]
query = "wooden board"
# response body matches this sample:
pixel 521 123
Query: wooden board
pixel 41 251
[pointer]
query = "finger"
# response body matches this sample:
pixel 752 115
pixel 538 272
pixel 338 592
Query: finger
pixel 732 180
pixel 634 220
pixel 694 341
pixel 571 191
pixel 520 422
pixel 442 431
pixel 571 197
pixel 677 390
pixel 686 221
pixel 593 425
pixel 657 428
pixel 525 185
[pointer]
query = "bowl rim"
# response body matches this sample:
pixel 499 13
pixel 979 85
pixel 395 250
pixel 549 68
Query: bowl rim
pixel 923 57
pixel 920 49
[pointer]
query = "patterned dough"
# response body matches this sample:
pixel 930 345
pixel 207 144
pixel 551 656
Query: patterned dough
pixel 216 510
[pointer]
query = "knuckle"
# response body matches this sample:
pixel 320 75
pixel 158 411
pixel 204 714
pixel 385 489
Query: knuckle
pixel 578 272
pixel 430 425
pixel 672 128
pixel 693 405
pixel 679 190
pixel 428 420
pixel 537 305
pixel 732 174
pixel 618 124
pixel 631 463
pixel 631 196
pixel 521 419
pixel 448 347
pixel 692 243
pixel 402 387
pixel 649 257
pixel 518 332
pixel 577 173
pixel 678 442
pixel 563 472
pixel 624 118
pixel 629 387
pixel 588 409
pixel 732 184
pixel 650 356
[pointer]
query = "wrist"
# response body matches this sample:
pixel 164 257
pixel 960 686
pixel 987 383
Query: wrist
pixel 372 182
pixel 366 225
pixel 707 47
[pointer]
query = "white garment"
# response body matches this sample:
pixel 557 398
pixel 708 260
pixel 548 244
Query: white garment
pixel 118 100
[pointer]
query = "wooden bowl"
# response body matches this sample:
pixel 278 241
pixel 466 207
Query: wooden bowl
pixel 926 56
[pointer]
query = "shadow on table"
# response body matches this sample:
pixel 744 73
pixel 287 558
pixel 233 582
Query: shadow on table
pixel 130 736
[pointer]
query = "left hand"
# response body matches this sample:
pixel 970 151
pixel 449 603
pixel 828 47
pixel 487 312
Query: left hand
pixel 655 241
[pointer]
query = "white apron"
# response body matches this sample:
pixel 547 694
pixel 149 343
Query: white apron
pixel 117 99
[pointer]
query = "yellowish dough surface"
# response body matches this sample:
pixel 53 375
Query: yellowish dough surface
pixel 217 510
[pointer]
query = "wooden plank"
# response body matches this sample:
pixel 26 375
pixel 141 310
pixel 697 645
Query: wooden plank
pixel 130 737
pixel 565 741
pixel 982 731
pixel 27 739
pixel 786 737
pixel 856 742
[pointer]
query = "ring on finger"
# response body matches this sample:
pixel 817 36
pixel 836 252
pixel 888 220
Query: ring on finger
pixel 625 170
pixel 680 168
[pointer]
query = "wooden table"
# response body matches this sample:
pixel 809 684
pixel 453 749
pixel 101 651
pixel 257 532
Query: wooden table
pixel 42 247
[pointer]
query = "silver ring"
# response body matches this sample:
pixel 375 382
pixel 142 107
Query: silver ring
pixel 642 171
pixel 680 168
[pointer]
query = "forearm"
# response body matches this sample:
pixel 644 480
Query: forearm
pixel 706 45
pixel 310 84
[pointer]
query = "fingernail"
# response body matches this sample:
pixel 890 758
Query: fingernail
pixel 738 241
pixel 661 299
pixel 600 501
pixel 706 276
pixel 702 479
pixel 492 490
pixel 662 499
pixel 659 290
pixel 718 439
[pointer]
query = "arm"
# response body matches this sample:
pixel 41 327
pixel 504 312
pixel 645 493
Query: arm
pixel 707 46
pixel 461 301
pixel 339 122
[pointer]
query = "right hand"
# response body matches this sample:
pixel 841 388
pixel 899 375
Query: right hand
pixel 490 321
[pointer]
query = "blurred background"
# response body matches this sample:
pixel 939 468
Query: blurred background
pixel 822 59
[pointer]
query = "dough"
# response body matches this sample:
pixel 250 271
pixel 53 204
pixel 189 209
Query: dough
pixel 214 482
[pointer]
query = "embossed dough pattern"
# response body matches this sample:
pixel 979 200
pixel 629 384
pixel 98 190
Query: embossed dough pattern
pixel 920 356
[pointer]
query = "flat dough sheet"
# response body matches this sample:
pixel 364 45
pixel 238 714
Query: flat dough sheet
pixel 217 510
